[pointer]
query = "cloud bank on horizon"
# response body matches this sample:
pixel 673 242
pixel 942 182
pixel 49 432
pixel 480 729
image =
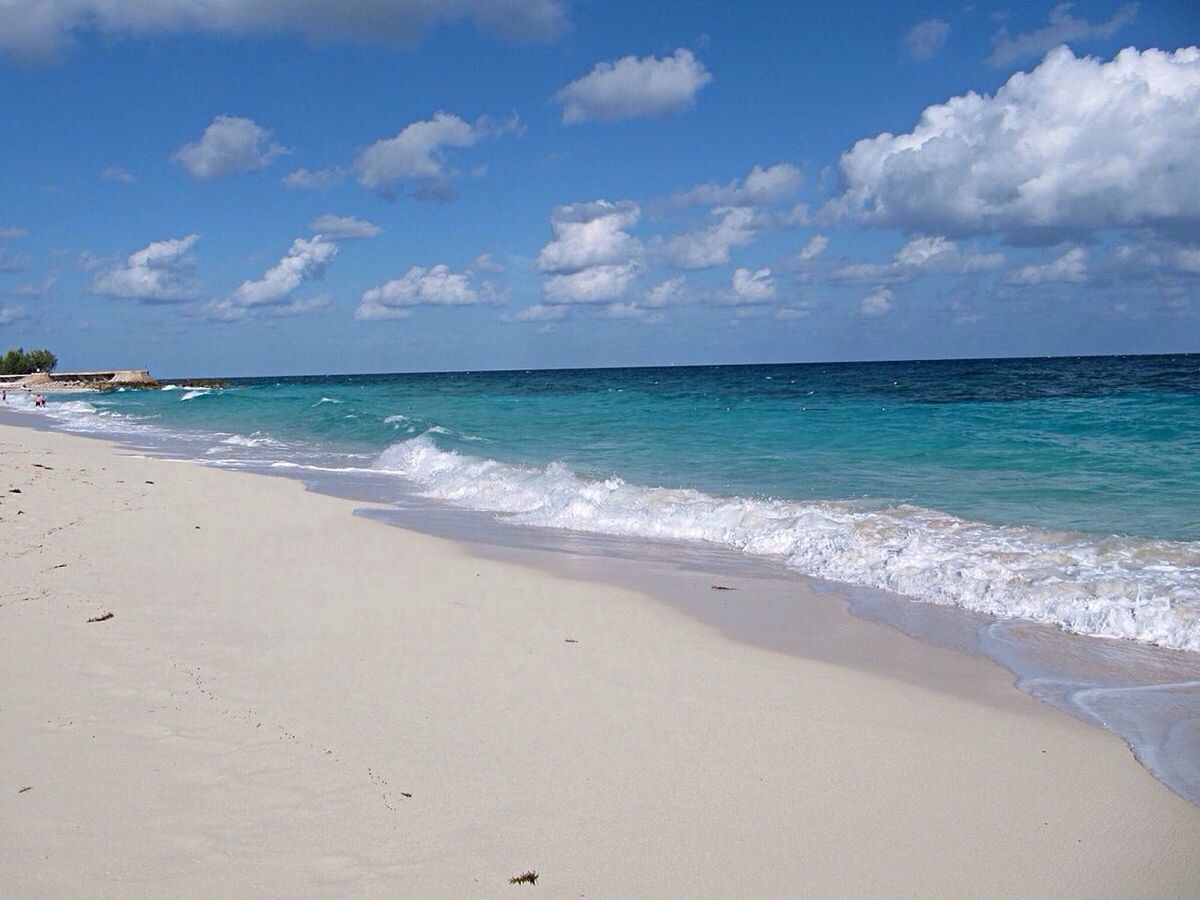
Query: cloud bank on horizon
pixel 617 194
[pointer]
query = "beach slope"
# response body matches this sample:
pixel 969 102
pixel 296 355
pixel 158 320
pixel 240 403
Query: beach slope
pixel 289 700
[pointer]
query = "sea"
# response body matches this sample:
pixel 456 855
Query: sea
pixel 1041 497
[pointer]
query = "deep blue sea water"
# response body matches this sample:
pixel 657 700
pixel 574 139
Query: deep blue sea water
pixel 1065 491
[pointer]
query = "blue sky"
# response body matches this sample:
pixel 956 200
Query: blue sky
pixel 274 187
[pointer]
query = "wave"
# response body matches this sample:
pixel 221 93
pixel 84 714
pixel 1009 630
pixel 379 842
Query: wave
pixel 1118 587
pixel 196 392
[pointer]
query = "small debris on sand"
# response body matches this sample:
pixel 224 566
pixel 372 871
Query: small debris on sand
pixel 14 490
pixel 24 789
pixel 40 466
pixel 721 587
pixel 405 794
pixel 570 641
pixel 149 482
pixel 524 878
pixel 103 618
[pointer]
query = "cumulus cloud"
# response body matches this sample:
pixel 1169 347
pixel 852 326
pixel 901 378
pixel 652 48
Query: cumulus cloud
pixel 876 303
pixel 417 154
pixel 40 289
pixel 10 314
pixel 344 228
pixel 14 262
pixel 1071 267
pixel 1063 28
pixel 38 29
pixel 306 260
pixel 229 145
pixel 813 248
pixel 711 246
pixel 485 263
pixel 632 87
pixel 793 312
pixel 436 286
pixel 590 234
pixel 1157 257
pixel 313 179
pixel 666 293
pixel 925 39
pixel 116 173
pixel 1075 145
pixel 759 188
pixel 161 272
pixel 539 312
pixel 752 287
pixel 596 284
pixel 632 311
pixel 920 256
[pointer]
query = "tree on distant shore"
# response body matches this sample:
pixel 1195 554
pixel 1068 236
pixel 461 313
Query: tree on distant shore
pixel 18 362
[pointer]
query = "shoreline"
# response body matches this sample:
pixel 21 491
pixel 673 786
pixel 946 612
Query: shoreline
pixel 654 757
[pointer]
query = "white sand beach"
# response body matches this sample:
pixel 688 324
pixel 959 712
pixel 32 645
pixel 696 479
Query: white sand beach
pixel 292 701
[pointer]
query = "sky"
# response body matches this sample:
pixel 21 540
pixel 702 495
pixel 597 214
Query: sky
pixel 227 187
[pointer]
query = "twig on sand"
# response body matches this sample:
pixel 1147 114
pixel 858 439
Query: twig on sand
pixel 26 788
pixel 721 587
pixel 524 878
pixel 103 618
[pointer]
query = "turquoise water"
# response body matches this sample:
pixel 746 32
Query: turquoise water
pixel 1061 490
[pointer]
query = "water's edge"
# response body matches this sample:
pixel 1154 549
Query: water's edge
pixel 1148 696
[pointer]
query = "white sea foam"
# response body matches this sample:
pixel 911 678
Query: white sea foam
pixel 196 392
pixel 1147 590
pixel 327 400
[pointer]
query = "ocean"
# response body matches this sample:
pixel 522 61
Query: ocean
pixel 1063 492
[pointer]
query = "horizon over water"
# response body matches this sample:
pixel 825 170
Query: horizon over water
pixel 1062 491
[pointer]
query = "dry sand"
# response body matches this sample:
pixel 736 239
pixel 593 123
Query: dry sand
pixel 279 676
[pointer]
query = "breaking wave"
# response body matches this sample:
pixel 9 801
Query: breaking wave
pixel 1118 587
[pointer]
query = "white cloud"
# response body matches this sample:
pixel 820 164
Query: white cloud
pixel 876 303
pixel 36 290
pixel 539 312
pixel 417 153
pixel 793 313
pixel 1073 146
pixel 759 188
pixel 8 234
pixel 590 234
pixel 10 314
pixel 919 257
pixel 632 87
pixel 711 246
pixel 313 180
pixel 306 260
pixel 632 311
pixel 752 287
pixel 116 173
pixel 1157 257
pixel 229 145
pixel 485 263
pixel 925 39
pixel 592 285
pixel 815 247
pixel 436 286
pixel 1062 29
pixel 14 262
pixel 38 29
pixel 666 293
pixel 1071 267
pixel 161 272
pixel 344 227
pixel 301 307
